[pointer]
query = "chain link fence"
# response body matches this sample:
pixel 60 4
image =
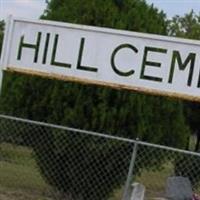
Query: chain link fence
pixel 163 170
pixel 40 161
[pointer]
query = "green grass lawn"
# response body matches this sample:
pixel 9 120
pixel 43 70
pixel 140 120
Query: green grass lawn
pixel 19 175
pixel 20 178
pixel 154 182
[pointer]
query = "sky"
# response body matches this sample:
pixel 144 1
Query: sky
pixel 32 9
pixel 176 7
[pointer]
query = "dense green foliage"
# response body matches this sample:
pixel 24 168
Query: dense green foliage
pixel 124 113
pixel 188 26
pixel 81 166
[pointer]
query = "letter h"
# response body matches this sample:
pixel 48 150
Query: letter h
pixel 31 46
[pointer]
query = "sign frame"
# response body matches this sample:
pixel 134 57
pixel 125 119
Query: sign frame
pixel 6 54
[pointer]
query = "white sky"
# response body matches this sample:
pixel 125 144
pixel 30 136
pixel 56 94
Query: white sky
pixel 22 8
pixel 176 7
pixel 34 8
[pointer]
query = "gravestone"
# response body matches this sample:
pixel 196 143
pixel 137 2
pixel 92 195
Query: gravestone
pixel 138 191
pixel 178 188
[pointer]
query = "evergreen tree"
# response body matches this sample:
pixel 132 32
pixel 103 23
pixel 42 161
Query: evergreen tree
pixel 188 26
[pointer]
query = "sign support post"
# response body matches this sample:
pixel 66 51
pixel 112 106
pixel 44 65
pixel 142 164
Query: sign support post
pixel 6 48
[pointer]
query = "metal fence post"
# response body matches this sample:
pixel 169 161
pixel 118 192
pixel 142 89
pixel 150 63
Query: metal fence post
pixel 130 172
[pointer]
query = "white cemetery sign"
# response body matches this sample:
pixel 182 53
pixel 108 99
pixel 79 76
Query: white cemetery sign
pixel 121 59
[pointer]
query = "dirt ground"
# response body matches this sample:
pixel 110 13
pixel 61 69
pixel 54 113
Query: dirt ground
pixel 17 195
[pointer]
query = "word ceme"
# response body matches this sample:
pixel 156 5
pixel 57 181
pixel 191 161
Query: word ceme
pixel 176 60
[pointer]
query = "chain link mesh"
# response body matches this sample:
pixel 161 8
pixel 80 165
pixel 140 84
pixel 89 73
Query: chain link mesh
pixel 156 165
pixel 41 161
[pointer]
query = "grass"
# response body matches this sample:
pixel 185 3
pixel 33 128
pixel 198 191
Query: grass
pixel 155 181
pixel 19 175
pixel 18 154
pixel 20 178
pixel 117 194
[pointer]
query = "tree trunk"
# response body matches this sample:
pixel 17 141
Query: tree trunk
pixel 188 143
pixel 197 147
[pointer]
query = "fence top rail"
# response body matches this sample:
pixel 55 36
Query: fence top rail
pixel 38 123
pixel 169 148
